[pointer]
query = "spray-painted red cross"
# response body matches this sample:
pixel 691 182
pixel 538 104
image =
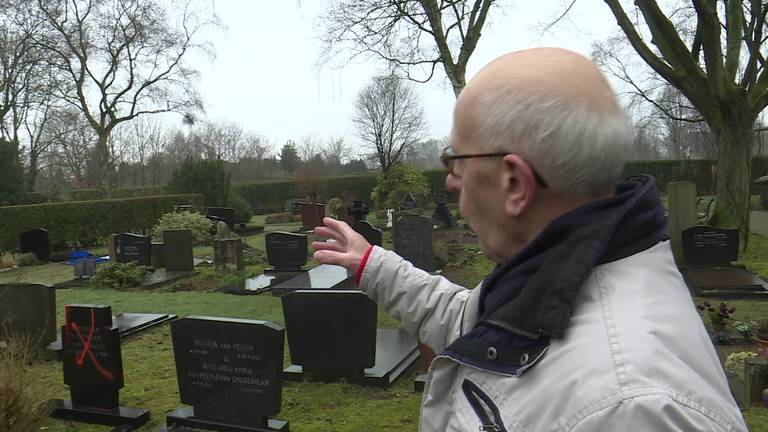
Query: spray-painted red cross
pixel 80 357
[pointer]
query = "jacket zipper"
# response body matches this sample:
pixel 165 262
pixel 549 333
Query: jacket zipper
pixel 513 330
pixel 486 410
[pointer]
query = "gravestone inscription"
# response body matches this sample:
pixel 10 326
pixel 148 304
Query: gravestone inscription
pixel 93 369
pixel 37 242
pixel 372 234
pixel 133 248
pixel 412 240
pixel 710 246
pixel 177 250
pixel 286 251
pixel 229 370
pixel 29 311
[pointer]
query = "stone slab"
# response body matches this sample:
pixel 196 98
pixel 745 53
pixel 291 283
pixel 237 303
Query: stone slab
pixel 183 418
pixel 63 409
pixel 324 276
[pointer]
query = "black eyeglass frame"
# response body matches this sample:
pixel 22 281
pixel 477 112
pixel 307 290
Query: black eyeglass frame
pixel 449 162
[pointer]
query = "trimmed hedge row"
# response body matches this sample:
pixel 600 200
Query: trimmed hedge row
pixel 271 196
pixel 86 221
pixel 129 192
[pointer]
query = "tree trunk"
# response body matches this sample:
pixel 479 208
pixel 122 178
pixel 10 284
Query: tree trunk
pixel 734 167
pixel 32 173
pixel 103 149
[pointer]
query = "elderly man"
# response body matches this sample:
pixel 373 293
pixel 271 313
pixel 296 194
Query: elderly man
pixel 585 324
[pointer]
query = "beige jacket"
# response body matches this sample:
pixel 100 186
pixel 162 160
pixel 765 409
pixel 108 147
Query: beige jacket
pixel 635 357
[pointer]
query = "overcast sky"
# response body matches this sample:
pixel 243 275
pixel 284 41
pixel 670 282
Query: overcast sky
pixel 265 75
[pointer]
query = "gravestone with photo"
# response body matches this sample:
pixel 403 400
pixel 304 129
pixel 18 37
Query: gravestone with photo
pixel 332 334
pixel 37 242
pixel 229 371
pixel 133 248
pixel 286 251
pixel 226 214
pixel 709 252
pixel 177 250
pixel 372 234
pixel 228 254
pixel 312 215
pixel 28 311
pixel 412 240
pixel 93 369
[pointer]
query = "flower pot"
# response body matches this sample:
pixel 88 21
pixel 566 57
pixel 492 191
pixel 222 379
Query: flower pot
pixel 762 346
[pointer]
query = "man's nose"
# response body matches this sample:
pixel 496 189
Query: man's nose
pixel 452 183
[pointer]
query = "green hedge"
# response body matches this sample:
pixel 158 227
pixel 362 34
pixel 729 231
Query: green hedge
pixel 271 196
pixel 86 221
pixel 131 192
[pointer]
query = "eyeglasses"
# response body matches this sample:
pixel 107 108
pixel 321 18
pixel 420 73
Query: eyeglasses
pixel 449 158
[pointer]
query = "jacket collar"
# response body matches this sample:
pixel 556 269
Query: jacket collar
pixel 534 293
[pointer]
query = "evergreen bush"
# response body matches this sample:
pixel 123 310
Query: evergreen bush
pixel 198 223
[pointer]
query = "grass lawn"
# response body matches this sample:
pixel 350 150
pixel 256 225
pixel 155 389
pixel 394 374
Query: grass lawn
pixel 150 375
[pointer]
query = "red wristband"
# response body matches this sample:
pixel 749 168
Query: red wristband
pixel 359 272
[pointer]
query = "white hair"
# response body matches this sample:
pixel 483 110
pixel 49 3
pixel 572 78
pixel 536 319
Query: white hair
pixel 576 149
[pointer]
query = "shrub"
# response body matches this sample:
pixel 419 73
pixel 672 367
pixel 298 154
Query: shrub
pixel 401 180
pixel 243 212
pixel 206 177
pixel 86 221
pixel 119 276
pixel 199 224
pixel 27 259
pixel 23 402
pixel 335 208
pixel 734 363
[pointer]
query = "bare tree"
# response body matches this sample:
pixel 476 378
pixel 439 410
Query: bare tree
pixel 714 53
pixel 71 143
pixel 389 119
pixel 335 152
pixel 124 59
pixel 309 146
pixel 221 140
pixel 413 36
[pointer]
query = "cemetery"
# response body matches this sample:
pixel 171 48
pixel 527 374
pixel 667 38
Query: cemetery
pixel 158 207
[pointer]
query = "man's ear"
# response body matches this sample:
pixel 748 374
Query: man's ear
pixel 519 185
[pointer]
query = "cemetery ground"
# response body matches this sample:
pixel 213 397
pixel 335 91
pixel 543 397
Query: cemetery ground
pixel 148 360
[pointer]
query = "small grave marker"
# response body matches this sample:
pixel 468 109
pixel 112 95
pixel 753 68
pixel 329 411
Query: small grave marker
pixel 229 370
pixel 29 311
pixel 133 248
pixel 286 251
pixel 177 250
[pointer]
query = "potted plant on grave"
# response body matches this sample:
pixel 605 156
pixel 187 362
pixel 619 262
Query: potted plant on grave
pixel 719 319
pixel 747 330
pixel 762 339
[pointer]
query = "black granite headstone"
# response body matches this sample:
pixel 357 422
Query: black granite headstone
pixel 710 246
pixel 331 332
pixel 226 214
pixel 37 242
pixel 133 248
pixel 28 311
pixel 229 370
pixel 358 211
pixel 372 234
pixel 177 250
pixel 412 240
pixel 409 203
pixel 286 251
pixel 93 369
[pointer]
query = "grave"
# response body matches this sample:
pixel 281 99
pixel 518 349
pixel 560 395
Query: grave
pixel 228 254
pixel 312 215
pixel 177 250
pixel 409 203
pixel 442 215
pixel 412 240
pixel 226 214
pixel 133 248
pixel 158 258
pixel 85 268
pixel 37 242
pixel 358 211
pixel 93 370
pixel 229 371
pixel 322 277
pixel 28 310
pixel 286 251
pixel 372 234
pixel 332 334
pixel 708 271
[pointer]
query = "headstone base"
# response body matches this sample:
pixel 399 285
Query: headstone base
pixel 259 284
pixel 184 417
pixel 396 351
pixel 63 409
pixel 725 282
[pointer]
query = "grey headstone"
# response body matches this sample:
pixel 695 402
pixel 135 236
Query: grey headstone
pixel 28 310
pixel 229 370
pixel 177 250
pixel 85 268
pixel 228 254
pixel 681 215
pixel 133 248
pixel 412 240
pixel 286 251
